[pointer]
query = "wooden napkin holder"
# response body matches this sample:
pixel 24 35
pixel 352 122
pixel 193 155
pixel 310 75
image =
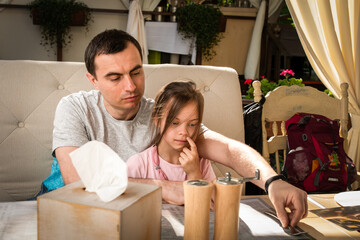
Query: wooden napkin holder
pixel 71 212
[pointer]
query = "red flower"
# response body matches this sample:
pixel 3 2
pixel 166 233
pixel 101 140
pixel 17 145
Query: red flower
pixel 248 81
pixel 262 77
pixel 291 72
pixel 287 71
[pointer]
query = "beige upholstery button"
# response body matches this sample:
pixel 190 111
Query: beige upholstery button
pixel 61 87
pixel 21 124
pixel 206 89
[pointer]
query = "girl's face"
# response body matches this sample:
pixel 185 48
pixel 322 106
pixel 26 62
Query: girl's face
pixel 184 125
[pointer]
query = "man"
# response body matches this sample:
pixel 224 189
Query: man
pixel 118 115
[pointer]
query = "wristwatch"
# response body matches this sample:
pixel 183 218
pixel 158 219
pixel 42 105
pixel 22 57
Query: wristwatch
pixel 273 178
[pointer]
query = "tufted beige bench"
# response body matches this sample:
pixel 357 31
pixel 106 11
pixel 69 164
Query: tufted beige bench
pixel 30 91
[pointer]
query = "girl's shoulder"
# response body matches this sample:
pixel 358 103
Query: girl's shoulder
pixel 144 156
pixel 142 165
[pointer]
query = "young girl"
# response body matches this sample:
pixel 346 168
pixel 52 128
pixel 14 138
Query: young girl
pixel 177 116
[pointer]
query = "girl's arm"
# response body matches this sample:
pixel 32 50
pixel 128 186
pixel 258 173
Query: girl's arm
pixel 172 191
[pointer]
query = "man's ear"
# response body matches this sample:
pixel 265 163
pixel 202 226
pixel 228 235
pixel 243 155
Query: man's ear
pixel 92 79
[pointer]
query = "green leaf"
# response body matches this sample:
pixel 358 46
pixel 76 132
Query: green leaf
pixel 203 23
pixel 55 18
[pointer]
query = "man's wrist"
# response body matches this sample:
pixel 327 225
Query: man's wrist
pixel 272 179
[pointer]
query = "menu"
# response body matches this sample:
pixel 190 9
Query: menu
pixel 346 217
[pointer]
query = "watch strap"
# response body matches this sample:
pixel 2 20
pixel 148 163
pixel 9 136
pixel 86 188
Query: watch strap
pixel 271 179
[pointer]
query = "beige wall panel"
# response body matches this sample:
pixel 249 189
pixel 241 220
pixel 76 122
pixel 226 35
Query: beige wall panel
pixel 20 39
pixel 233 48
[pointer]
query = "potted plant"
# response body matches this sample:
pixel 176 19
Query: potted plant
pixel 55 18
pixel 203 23
pixel 267 86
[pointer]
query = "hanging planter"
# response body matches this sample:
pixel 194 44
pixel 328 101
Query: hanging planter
pixel 78 19
pixel 203 23
pixel 55 18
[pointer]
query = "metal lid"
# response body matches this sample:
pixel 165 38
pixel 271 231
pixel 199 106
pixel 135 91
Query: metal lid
pixel 228 180
pixel 198 183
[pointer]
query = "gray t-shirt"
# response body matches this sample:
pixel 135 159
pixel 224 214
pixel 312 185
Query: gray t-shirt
pixel 81 117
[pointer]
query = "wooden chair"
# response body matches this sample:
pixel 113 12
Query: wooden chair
pixel 283 102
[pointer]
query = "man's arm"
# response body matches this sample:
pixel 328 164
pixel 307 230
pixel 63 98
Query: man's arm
pixel 245 160
pixel 240 157
pixel 172 191
pixel 67 169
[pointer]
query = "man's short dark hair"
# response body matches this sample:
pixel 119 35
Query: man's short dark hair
pixel 108 42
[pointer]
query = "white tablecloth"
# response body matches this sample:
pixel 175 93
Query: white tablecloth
pixel 164 37
pixel 18 220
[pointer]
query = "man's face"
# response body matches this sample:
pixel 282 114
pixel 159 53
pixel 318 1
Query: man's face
pixel 121 80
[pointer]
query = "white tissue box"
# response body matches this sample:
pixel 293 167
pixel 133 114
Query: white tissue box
pixel 72 213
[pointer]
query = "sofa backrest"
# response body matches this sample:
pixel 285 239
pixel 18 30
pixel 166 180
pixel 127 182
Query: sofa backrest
pixel 31 90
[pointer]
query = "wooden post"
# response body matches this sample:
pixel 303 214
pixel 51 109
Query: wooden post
pixel 198 60
pixel 344 101
pixel 59 48
pixel 264 54
pixel 257 91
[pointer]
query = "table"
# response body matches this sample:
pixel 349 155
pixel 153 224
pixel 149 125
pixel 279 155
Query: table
pixel 22 222
pixel 320 228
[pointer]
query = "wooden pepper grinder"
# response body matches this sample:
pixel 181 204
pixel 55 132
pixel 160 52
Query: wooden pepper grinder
pixel 197 195
pixel 227 203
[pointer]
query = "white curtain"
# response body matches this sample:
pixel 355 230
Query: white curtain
pixel 136 27
pixel 135 24
pixel 253 58
pixel 329 31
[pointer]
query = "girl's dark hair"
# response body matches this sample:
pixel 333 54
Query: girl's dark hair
pixel 170 100
pixel 108 42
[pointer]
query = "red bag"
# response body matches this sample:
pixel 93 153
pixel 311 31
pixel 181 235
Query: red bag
pixel 317 161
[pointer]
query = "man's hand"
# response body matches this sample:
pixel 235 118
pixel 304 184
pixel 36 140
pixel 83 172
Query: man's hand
pixel 282 195
pixel 189 160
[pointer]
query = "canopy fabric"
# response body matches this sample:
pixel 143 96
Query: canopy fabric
pixel 329 32
pixel 135 27
pixel 253 58
pixel 135 24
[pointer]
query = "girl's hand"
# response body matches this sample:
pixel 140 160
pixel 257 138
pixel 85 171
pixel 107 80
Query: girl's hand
pixel 189 160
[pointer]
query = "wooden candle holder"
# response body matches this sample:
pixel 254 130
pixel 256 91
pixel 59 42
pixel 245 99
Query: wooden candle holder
pixel 197 195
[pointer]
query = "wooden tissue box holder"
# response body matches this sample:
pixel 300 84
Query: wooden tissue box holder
pixel 72 213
